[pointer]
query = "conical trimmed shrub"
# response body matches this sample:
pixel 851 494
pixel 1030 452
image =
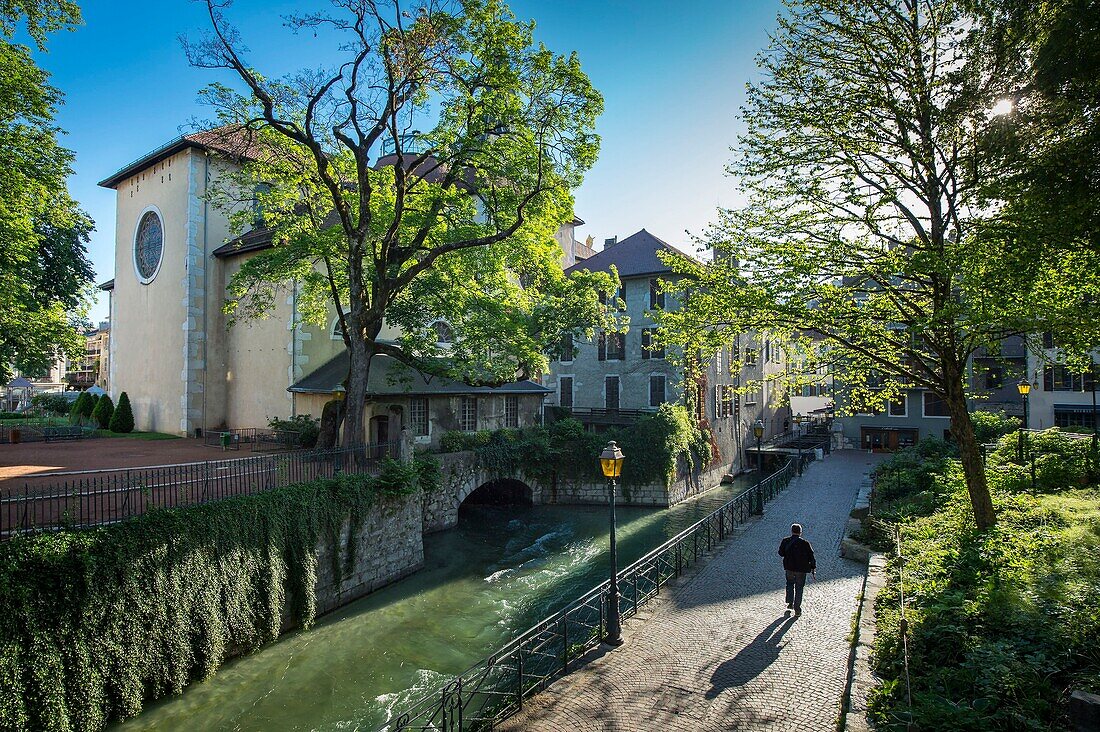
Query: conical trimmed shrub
pixel 104 410
pixel 82 407
pixel 123 418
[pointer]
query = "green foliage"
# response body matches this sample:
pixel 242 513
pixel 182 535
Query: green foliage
pixel 657 448
pixel 307 427
pixel 104 410
pixel 1001 622
pixel 122 420
pixel 45 275
pixel 82 408
pixel 992 426
pixel 51 403
pixel 1060 461
pixel 511 134
pixel 97 623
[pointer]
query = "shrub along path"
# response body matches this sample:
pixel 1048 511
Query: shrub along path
pixel 720 651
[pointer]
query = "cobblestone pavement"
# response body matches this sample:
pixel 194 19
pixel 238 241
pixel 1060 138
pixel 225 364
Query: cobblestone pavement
pixel 720 651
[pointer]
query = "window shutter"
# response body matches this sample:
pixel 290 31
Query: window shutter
pixel 718 402
pixel 1048 378
pixel 603 346
pixel 645 343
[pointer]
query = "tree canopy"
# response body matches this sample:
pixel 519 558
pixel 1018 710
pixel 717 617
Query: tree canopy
pixel 45 276
pixel 865 246
pixel 420 181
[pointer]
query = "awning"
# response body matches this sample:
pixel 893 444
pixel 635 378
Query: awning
pixel 1074 408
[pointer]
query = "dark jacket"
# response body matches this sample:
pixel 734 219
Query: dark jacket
pixel 798 555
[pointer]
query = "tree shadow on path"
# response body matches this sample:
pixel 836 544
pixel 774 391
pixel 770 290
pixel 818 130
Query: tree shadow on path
pixel 752 660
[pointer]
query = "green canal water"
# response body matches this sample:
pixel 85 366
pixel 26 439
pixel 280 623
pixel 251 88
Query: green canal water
pixel 498 572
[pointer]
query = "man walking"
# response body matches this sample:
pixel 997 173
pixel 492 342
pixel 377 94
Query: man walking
pixel 798 559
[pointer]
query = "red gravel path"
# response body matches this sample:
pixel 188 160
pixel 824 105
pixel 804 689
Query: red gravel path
pixel 29 461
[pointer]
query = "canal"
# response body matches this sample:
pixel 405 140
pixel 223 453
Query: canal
pixel 502 569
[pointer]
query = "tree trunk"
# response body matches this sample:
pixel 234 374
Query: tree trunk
pixel 358 373
pixel 969 451
pixel 331 417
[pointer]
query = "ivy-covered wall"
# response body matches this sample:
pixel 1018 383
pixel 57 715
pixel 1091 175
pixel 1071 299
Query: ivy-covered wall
pixel 94 624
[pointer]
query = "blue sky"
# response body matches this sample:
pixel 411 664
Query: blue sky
pixel 672 74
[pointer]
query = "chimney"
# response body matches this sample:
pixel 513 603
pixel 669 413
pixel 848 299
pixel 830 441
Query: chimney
pixel 610 242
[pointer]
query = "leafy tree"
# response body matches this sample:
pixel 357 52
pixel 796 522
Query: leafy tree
pixel 455 224
pixel 104 409
pixel 122 420
pixel 45 276
pixel 859 247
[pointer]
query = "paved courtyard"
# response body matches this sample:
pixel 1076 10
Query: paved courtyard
pixel 721 652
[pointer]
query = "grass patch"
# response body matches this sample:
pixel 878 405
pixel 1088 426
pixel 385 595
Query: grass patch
pixel 136 435
pixel 1001 625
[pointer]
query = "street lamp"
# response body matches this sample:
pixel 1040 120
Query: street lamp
pixel 611 463
pixel 798 440
pixel 1025 388
pixel 758 432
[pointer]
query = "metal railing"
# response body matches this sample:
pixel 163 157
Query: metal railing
pixel 258 439
pixel 496 687
pixel 92 498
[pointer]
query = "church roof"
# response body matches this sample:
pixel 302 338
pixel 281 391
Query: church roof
pixel 388 377
pixel 634 256
pixel 233 142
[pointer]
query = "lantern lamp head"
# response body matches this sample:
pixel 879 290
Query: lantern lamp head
pixel 1024 387
pixel 611 460
pixel 758 429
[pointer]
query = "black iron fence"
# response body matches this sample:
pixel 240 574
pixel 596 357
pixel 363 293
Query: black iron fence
pixel 98 497
pixel 496 687
pixel 257 439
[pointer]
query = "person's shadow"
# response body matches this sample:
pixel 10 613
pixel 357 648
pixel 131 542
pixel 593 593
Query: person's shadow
pixel 751 660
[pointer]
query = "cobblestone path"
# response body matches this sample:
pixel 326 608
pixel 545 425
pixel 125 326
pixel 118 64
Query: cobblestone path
pixel 720 651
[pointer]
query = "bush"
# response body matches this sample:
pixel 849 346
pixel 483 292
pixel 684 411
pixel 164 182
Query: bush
pixel 51 403
pixel 122 420
pixel 1061 462
pixel 308 428
pixel 12 415
pixel 82 408
pixel 992 426
pixel 103 411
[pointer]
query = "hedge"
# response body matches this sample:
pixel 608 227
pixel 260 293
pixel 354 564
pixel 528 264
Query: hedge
pixel 96 623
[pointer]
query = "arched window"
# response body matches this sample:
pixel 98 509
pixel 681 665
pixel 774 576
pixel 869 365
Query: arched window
pixel 443 332
pixel 337 329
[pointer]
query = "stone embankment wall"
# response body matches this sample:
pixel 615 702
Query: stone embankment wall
pixel 461 477
pixel 389 545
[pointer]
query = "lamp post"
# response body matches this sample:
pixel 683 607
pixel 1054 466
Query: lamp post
pixel 1095 424
pixel 758 432
pixel 1024 387
pixel 611 463
pixel 798 440
pixel 338 394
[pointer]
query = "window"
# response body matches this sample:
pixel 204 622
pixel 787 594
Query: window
pixel 620 299
pixel 565 391
pixel 418 415
pixel 1060 378
pixel 724 400
pixel 898 407
pixel 148 246
pixel 337 329
pixel 612 346
pixel 1048 339
pixel 611 393
pixel 648 349
pixel 767 351
pixel 566 353
pixel 754 397
pixel 934 406
pixel 1073 419
pixel 443 332
pixel 993 378
pixel 718 362
pixel 656 390
pixel 259 192
pixel 467 416
pixel 656 296
pixel 750 356
pixel 511 411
